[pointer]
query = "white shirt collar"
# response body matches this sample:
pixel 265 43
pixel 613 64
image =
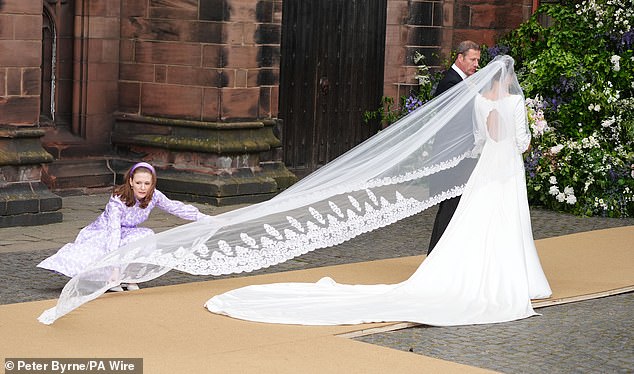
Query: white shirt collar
pixel 457 69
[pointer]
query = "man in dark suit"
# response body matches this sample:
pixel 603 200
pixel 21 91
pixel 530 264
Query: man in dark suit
pixel 466 63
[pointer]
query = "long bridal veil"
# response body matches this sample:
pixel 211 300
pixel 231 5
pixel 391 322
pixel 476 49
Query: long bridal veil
pixel 417 162
pixel 484 269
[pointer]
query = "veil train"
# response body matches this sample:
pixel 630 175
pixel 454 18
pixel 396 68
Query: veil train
pixel 422 159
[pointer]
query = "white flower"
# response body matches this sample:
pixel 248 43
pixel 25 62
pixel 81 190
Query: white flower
pixel 553 179
pixel 608 122
pixel 597 108
pixel 554 150
pixel 615 62
pixel 571 199
pixel 554 190
pixel 561 197
pixel 569 190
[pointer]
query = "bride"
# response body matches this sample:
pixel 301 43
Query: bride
pixel 467 141
pixel 484 269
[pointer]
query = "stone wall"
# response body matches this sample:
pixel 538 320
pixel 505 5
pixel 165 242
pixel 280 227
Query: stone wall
pixel 200 60
pixel 435 27
pixel 486 21
pixel 20 51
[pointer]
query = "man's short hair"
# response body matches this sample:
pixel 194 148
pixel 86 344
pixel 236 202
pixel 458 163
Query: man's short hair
pixel 466 45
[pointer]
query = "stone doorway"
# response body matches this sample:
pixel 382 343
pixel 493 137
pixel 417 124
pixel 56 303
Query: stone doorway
pixel 331 73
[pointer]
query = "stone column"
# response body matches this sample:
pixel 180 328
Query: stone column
pixel 24 199
pixel 198 89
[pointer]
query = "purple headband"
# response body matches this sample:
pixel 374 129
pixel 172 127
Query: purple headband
pixel 142 165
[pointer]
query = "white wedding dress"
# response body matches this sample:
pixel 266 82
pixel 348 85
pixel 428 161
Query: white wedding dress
pixel 484 269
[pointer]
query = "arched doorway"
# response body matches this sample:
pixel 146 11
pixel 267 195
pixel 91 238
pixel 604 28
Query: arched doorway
pixel 56 89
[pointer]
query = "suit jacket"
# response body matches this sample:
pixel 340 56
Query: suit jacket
pixel 450 79
pixel 446 208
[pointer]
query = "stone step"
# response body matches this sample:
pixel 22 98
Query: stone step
pixel 78 174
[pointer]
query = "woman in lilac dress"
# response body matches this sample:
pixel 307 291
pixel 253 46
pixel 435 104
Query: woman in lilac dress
pixel 129 206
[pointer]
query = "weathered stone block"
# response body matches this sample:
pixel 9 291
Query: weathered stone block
pixel 242 10
pixel 171 101
pixel 17 110
pixel 190 76
pixel 71 173
pixel 6 26
pixel 240 78
pixel 268 33
pixel 31 81
pixel 421 13
pixel 129 96
pixel 14 81
pixel 106 8
pixel 136 72
pixel 240 103
pixel 499 17
pixel 214 10
pixel 27 27
pixel 268 56
pixel 208 32
pixel 133 8
pixel 168 53
pixel 3 89
pixel 22 6
pixel 264 11
pixel 126 50
pixel 423 36
pixel 211 104
pixel 29 219
pixel 214 56
pixel 177 9
pixel 242 56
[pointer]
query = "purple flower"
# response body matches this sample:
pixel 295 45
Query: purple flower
pixel 626 40
pixel 411 103
pixel 498 50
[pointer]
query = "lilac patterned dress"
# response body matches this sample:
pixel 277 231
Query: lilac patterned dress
pixel 115 227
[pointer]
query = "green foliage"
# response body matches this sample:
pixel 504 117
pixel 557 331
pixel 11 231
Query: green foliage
pixel 390 112
pixel 578 74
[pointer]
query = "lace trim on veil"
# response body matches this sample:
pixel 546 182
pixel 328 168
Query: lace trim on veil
pixel 326 230
pixel 322 232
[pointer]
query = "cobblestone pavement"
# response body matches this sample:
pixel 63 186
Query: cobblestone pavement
pixel 593 336
pixel 585 337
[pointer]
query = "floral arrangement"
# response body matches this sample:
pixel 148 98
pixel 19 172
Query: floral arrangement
pixel 578 77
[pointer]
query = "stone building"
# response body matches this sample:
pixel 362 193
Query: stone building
pixel 230 99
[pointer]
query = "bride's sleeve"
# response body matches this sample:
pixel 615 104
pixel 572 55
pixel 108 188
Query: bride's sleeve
pixel 522 133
